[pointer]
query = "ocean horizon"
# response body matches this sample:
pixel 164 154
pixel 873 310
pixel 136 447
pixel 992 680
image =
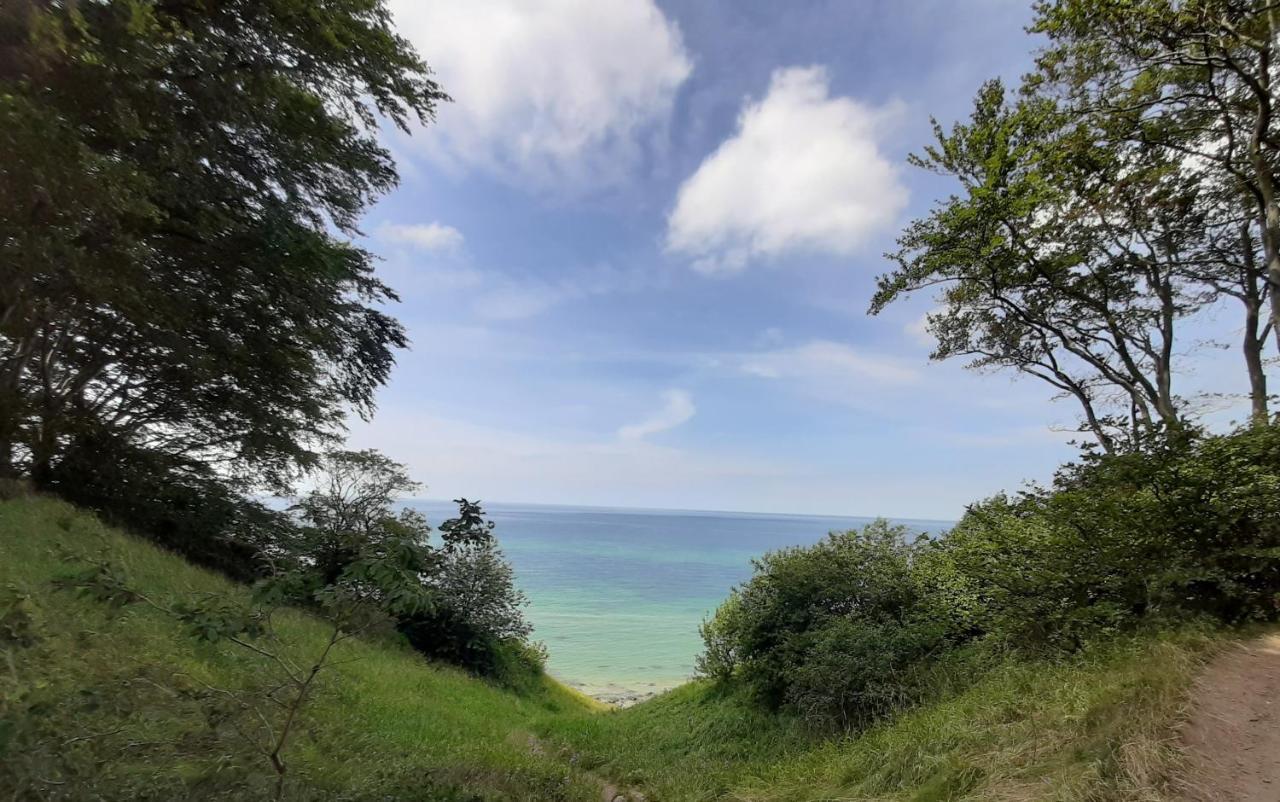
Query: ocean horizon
pixel 616 594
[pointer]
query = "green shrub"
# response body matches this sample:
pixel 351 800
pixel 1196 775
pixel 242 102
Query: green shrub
pixel 851 628
pixel 829 630
pixel 177 504
pixel 1187 529
pixel 721 637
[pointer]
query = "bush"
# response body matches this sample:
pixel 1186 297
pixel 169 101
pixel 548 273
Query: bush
pixel 177 505
pixel 475 619
pixel 849 629
pixel 722 637
pixel 1188 529
pixel 830 629
pixel 478 622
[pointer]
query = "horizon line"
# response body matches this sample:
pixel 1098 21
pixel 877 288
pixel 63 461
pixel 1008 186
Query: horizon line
pixel 617 508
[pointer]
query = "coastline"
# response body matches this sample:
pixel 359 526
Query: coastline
pixel 620 694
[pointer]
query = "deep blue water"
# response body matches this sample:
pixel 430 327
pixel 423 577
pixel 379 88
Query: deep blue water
pixel 617 594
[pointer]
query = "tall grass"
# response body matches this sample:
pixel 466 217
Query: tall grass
pixel 1096 726
pixel 123 704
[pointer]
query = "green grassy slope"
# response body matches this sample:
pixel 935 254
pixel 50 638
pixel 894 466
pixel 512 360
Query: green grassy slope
pixel 1094 727
pixel 113 706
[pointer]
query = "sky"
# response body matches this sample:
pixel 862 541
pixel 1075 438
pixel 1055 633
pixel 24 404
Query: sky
pixel 636 250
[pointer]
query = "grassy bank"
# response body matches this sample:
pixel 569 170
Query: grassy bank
pixel 121 705
pixel 1093 727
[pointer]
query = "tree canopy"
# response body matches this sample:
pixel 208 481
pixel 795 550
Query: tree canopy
pixel 1123 188
pixel 178 185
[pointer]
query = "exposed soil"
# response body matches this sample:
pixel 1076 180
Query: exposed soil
pixel 1232 738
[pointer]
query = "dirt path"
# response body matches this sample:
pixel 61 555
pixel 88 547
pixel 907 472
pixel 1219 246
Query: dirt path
pixel 608 791
pixel 1232 738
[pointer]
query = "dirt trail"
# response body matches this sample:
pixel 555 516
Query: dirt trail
pixel 608 791
pixel 1232 738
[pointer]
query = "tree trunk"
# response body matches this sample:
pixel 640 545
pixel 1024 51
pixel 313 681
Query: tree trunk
pixel 1253 341
pixel 1253 361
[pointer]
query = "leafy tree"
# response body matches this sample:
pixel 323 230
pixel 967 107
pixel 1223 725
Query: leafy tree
pixel 350 511
pixel 1194 80
pixel 479 620
pixel 1063 259
pixel 475 618
pixel 1185 529
pixel 176 183
pixel 477 581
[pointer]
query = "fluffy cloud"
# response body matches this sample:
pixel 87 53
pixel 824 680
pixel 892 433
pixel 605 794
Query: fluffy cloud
pixel 422 236
pixel 803 172
pixel 677 408
pixel 547 91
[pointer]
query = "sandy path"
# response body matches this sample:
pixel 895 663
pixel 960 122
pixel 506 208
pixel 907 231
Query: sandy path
pixel 1232 738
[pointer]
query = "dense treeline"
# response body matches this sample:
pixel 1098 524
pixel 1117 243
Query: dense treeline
pixel 852 627
pixel 182 314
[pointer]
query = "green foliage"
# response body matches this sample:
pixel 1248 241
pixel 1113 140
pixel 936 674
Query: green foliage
pixel 477 582
pixel 456 601
pixel 830 630
pixel 182 507
pixel 720 637
pixel 1190 528
pixel 179 301
pixel 1091 726
pixel 127 705
pixel 850 629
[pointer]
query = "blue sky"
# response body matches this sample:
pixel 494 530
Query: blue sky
pixel 635 255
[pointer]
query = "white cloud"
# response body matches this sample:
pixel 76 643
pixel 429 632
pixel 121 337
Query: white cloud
pixel 829 363
pixel 803 172
pixel 455 457
pixel 422 236
pixel 552 92
pixel 677 408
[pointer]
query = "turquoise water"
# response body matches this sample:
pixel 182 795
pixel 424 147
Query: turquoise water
pixel 617 595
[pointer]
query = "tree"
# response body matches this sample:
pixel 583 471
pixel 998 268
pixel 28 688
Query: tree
pixel 1063 259
pixel 1194 78
pixel 176 183
pixel 349 511
pixel 476 609
pixel 477 581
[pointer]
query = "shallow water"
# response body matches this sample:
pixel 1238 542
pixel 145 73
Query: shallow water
pixel 617 594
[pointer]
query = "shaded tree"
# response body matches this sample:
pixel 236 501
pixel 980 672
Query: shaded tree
pixel 177 181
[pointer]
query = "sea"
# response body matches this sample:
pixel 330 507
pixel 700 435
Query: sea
pixel 617 595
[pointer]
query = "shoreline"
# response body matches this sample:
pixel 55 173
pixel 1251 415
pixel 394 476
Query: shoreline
pixel 621 695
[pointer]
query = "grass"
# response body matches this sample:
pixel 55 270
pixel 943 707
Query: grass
pixel 1097 726
pixel 118 705
pixel 98 704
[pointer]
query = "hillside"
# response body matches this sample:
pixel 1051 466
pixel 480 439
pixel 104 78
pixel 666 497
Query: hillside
pixel 96 703
pixel 120 706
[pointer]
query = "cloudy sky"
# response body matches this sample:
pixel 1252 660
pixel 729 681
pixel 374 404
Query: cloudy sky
pixel 635 256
